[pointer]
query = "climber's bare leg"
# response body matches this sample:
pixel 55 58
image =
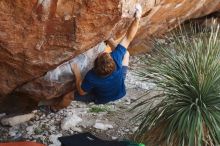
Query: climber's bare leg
pixel 125 61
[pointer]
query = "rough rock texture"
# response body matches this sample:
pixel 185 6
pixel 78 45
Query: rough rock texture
pixel 38 35
pixel 12 121
pixel 60 80
pixel 70 121
pixel 162 15
pixel 51 87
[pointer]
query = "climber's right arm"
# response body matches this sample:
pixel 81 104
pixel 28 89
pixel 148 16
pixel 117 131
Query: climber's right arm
pixel 112 44
pixel 132 30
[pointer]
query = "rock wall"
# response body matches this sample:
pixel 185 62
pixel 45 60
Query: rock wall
pixel 36 36
pixel 60 80
pixel 161 16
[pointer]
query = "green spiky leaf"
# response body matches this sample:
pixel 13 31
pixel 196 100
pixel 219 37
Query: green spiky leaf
pixel 187 70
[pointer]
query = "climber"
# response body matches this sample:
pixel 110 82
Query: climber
pixel 105 82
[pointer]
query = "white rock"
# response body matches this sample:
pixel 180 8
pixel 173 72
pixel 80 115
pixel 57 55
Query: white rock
pixel 12 133
pixel 42 116
pixel 37 117
pixel 126 130
pixel 128 101
pixel 69 113
pixel 102 126
pixel 71 131
pixel 34 111
pixel 134 129
pixel 52 128
pixel 61 112
pixel 87 123
pixel 114 138
pixel 2 115
pixel 54 140
pixel 13 130
pixel 77 129
pixel 70 122
pixel 30 129
pixel 12 121
pixel 52 145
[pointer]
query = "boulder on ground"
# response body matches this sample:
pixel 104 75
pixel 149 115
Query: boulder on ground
pixel 12 121
pixel 36 36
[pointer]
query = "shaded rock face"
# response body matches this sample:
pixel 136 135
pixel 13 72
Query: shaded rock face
pixel 50 87
pixel 37 36
pixel 60 80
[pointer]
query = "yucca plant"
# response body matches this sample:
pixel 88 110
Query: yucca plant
pixel 186 109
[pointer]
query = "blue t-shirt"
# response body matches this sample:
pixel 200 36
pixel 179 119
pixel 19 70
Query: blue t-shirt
pixel 110 88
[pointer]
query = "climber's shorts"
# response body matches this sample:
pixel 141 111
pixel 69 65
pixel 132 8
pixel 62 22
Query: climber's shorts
pixel 124 71
pixel 89 97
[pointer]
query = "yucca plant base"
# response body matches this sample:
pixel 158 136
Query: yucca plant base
pixel 187 72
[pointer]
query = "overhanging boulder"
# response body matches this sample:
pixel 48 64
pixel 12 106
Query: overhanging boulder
pixel 36 36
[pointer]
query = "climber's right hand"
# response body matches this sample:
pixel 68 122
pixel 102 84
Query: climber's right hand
pixel 138 11
pixel 75 69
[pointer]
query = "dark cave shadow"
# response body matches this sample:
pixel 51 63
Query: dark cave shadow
pixel 17 103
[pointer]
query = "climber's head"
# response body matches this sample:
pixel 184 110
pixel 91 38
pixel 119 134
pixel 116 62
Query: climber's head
pixel 104 65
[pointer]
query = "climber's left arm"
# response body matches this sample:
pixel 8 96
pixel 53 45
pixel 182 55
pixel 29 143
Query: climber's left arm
pixel 76 71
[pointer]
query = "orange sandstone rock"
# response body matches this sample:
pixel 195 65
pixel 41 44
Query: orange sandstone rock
pixel 36 36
